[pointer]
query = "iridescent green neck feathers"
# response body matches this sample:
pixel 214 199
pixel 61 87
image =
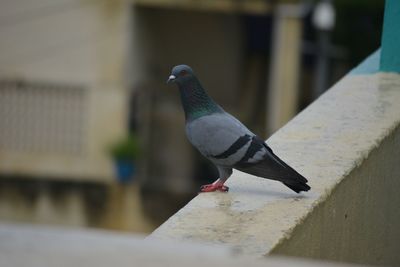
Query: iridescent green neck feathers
pixel 195 101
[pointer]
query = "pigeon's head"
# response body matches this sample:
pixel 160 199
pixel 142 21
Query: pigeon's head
pixel 180 74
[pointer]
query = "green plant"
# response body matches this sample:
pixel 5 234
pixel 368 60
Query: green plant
pixel 126 148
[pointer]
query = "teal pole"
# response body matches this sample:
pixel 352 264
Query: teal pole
pixel 390 52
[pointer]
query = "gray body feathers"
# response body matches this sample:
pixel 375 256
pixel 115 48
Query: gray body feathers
pixel 227 143
pixel 224 140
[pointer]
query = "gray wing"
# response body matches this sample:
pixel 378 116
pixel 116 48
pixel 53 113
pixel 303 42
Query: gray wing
pixel 229 144
pixel 224 140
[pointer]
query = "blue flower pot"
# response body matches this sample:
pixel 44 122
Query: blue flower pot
pixel 125 170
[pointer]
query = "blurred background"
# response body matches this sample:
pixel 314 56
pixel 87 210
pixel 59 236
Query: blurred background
pixel 90 134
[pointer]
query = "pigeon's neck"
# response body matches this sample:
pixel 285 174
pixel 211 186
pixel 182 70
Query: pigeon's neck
pixel 195 101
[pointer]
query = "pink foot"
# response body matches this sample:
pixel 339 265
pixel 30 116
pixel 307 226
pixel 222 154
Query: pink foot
pixel 214 187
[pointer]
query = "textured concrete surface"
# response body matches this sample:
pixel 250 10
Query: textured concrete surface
pixel 326 142
pixel 33 246
pixel 359 221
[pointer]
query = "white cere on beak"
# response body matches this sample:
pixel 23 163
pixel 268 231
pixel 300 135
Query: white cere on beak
pixel 171 77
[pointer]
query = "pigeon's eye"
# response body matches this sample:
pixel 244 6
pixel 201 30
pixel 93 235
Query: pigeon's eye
pixel 183 72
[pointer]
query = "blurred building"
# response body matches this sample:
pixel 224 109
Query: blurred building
pixel 77 75
pixel 63 100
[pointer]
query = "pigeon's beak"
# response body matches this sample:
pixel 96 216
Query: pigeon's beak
pixel 171 79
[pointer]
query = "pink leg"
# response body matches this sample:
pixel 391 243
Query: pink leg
pixel 218 185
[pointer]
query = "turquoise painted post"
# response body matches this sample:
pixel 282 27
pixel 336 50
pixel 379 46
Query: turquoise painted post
pixel 390 52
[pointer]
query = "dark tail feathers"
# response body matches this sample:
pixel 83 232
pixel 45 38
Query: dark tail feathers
pixel 298 186
pixel 272 167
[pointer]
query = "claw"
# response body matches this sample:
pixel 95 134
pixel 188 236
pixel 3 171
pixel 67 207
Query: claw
pixel 223 188
pixel 214 187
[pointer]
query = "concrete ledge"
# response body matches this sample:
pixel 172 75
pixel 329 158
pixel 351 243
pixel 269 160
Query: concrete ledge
pixel 347 144
pixel 33 246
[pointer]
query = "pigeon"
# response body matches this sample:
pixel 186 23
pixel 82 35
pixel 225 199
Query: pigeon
pixel 225 141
